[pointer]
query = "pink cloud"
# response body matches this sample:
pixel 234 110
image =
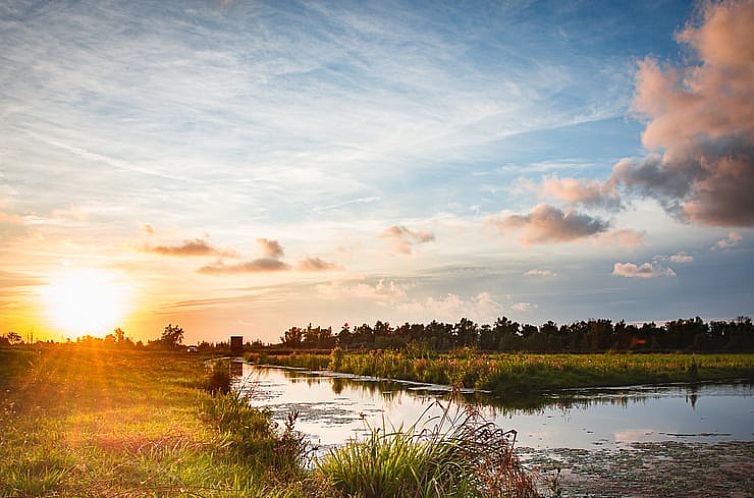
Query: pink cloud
pixel 317 264
pixel 546 223
pixel 700 123
pixel 403 240
pixel 645 270
pixel 270 248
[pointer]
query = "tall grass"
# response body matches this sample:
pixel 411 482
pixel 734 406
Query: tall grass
pixel 472 459
pixel 506 373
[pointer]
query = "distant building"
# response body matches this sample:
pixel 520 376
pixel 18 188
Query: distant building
pixel 236 345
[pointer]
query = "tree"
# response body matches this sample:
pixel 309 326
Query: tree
pixel 292 337
pixel 14 337
pixel 172 336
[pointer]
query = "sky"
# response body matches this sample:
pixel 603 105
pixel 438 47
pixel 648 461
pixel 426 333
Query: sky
pixel 242 167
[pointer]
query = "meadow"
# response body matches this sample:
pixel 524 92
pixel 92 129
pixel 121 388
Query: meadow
pixel 502 373
pixel 79 421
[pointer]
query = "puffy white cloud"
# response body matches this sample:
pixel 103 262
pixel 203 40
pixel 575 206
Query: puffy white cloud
pixel 732 240
pixel 540 273
pixel 645 270
pixel 682 257
pixel 523 307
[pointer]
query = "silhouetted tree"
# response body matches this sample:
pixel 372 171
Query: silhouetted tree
pixel 172 336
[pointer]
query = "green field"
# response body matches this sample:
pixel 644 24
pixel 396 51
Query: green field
pixel 527 373
pixel 77 421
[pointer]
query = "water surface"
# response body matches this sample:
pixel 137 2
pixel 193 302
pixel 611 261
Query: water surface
pixel 335 407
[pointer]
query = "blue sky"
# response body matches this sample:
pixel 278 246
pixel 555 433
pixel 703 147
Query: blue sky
pixel 397 153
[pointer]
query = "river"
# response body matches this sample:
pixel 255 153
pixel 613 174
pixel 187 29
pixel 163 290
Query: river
pixel 585 432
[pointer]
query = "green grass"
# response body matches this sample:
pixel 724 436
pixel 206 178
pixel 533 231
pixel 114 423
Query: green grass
pixel 527 373
pixel 98 422
pixel 473 459
pixel 79 422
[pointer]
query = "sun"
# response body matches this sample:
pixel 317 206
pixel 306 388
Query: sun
pixel 85 301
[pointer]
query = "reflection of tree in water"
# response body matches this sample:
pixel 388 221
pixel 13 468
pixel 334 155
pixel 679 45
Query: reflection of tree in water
pixel 337 385
pixel 493 406
pixel 691 395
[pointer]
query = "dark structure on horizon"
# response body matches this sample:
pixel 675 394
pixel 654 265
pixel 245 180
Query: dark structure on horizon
pixel 236 345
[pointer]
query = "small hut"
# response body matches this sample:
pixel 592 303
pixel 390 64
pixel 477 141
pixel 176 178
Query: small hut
pixel 236 345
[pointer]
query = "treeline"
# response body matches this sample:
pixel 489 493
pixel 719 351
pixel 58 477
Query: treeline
pixel 505 336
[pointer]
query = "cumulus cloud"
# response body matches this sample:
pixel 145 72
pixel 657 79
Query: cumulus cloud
pixel 732 240
pixel 682 257
pixel 270 248
pixel 645 270
pixel 317 264
pixel 188 248
pixel 259 265
pixel 540 273
pixel 624 237
pixel 546 223
pixel 588 193
pixel 523 307
pixel 382 292
pixel 702 119
pixel 451 307
pixel 403 240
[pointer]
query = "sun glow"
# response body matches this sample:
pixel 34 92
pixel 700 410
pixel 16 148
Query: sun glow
pixel 86 301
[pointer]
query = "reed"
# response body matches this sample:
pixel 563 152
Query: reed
pixel 523 373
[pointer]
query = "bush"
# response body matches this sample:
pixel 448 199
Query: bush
pixel 219 378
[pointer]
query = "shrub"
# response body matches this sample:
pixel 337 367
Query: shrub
pixel 218 377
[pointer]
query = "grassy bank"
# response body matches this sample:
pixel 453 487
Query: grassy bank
pixel 508 373
pixel 79 422
pixel 98 422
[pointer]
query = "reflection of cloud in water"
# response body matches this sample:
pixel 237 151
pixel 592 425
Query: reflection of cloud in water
pixel 329 407
pixel 635 435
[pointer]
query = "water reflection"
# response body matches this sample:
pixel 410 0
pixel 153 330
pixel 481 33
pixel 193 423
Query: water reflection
pixel 334 407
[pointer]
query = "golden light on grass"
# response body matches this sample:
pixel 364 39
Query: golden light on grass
pixel 86 301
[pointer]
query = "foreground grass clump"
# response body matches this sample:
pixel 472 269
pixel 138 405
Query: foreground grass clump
pixel 473 459
pixel 508 373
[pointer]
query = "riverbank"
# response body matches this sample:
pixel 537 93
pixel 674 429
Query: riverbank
pixel 504 374
pixel 105 422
